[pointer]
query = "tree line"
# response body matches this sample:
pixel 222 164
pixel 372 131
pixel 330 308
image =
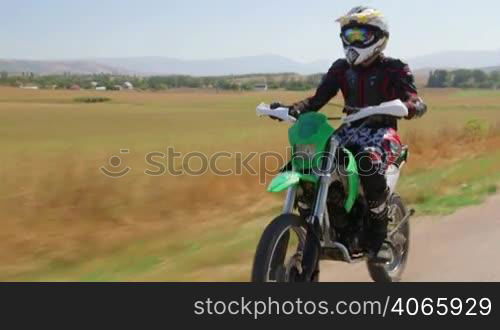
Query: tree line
pixel 464 78
pixel 288 81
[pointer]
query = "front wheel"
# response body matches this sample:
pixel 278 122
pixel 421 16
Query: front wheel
pixel 393 271
pixel 279 254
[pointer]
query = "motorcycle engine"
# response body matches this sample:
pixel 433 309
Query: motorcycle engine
pixel 347 225
pixel 305 199
pixel 336 198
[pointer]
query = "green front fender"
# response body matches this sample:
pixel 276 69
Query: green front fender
pixel 286 180
pixel 289 179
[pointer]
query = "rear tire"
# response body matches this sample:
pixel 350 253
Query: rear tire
pixel 392 272
pixel 269 262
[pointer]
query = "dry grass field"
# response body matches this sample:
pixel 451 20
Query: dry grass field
pixel 62 219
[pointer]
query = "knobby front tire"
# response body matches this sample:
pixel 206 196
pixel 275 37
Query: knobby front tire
pixel 268 265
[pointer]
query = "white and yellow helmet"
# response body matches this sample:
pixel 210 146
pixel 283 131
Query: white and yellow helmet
pixel 365 32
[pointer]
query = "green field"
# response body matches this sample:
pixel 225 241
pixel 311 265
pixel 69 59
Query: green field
pixel 62 219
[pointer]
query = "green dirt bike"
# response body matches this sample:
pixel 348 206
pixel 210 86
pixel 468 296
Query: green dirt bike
pixel 325 212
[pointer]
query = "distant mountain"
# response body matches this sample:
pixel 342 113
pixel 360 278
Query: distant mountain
pixel 277 64
pixel 237 65
pixel 166 66
pixel 56 67
pixel 457 59
pixel 491 69
pixel 228 66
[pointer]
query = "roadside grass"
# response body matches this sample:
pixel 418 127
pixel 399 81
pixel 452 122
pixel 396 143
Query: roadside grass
pixel 62 220
pixel 225 254
pixel 443 190
pixel 483 93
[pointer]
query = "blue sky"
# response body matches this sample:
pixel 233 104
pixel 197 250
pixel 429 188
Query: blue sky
pixel 201 29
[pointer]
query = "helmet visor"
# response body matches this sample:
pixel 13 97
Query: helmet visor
pixel 359 36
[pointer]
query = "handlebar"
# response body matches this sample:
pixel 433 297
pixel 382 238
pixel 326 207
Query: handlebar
pixel 395 108
pixel 280 113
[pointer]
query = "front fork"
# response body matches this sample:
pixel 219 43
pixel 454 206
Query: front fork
pixel 319 232
pixel 291 196
pixel 319 219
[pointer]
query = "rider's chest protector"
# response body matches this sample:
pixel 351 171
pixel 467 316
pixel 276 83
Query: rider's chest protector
pixel 367 86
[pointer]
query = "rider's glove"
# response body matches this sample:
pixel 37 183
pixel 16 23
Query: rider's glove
pixel 291 110
pixel 276 105
pixel 294 112
pixel 416 108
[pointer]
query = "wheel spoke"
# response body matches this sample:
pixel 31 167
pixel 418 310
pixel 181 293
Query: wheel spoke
pixel 286 261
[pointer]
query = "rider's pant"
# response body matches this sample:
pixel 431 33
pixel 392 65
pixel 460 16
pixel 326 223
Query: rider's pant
pixel 375 149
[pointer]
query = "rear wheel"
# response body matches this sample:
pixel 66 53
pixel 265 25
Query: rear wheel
pixel 400 244
pixel 279 254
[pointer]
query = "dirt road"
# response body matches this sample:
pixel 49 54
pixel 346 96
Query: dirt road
pixel 461 247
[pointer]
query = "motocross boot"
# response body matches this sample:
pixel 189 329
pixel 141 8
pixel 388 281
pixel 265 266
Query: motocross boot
pixel 379 220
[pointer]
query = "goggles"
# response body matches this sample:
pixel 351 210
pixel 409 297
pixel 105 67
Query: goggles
pixel 360 36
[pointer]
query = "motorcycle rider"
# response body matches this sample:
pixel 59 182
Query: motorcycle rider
pixel 367 78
